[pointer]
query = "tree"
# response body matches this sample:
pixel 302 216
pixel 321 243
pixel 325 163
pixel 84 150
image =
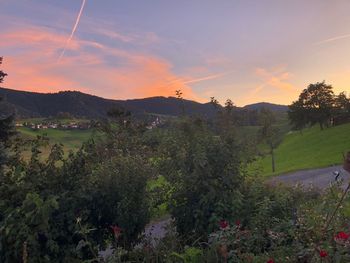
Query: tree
pixel 342 104
pixel 6 125
pixel 2 74
pixel 203 171
pixel 315 103
pixel 180 97
pixel 297 115
pixel 268 133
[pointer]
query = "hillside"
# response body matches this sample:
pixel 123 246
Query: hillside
pixel 270 106
pixel 32 104
pixel 312 148
pixel 78 104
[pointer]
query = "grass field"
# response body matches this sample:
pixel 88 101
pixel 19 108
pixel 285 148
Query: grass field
pixel 312 148
pixel 71 139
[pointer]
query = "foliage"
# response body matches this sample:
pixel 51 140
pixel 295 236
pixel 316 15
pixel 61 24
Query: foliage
pixel 6 126
pixel 318 104
pixel 2 74
pixel 268 133
pixel 281 225
pixel 67 209
pixel 203 171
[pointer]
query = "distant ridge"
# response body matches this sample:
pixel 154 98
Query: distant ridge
pixel 33 104
pixel 78 104
pixel 267 105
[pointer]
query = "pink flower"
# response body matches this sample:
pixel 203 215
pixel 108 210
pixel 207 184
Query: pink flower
pixel 116 230
pixel 323 253
pixel 223 224
pixel 238 222
pixel 270 261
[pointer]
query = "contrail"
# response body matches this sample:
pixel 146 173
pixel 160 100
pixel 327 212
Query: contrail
pixel 215 76
pixel 73 31
pixel 332 39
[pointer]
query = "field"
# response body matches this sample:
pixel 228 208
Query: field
pixel 71 139
pixel 312 148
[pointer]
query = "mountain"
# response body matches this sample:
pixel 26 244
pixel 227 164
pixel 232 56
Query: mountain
pixel 78 104
pixel 33 104
pixel 270 106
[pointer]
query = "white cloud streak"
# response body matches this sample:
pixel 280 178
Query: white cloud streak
pixel 73 30
pixel 332 39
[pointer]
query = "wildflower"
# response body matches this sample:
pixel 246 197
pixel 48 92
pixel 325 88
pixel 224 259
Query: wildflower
pixel 223 224
pixel 323 253
pixel 237 222
pixel 116 230
pixel 342 236
pixel 270 261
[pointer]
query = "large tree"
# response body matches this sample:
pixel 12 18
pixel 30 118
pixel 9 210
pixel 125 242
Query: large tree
pixel 315 105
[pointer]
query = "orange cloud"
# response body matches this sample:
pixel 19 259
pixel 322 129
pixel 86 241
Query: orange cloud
pixel 89 67
pixel 277 78
pixel 272 85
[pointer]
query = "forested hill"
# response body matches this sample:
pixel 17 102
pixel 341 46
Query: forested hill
pixel 270 106
pixel 32 104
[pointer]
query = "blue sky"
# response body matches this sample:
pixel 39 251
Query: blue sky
pixel 248 51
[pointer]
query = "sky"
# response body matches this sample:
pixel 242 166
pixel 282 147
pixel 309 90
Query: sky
pixel 246 50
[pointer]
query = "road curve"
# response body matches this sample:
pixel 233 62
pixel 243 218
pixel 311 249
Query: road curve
pixel 320 178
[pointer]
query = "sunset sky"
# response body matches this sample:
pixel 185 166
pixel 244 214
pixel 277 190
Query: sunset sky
pixel 245 50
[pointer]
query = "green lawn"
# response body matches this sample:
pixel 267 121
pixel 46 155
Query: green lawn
pixel 71 139
pixel 311 149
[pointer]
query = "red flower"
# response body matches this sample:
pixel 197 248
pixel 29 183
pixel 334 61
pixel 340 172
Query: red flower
pixel 116 230
pixel 342 235
pixel 270 261
pixel 238 223
pixel 223 224
pixel 323 253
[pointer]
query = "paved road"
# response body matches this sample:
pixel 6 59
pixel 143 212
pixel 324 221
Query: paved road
pixel 320 178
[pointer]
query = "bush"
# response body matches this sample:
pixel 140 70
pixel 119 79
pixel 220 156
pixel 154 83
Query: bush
pixel 203 171
pixel 67 209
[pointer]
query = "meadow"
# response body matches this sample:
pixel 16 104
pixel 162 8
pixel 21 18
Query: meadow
pixel 311 148
pixel 71 139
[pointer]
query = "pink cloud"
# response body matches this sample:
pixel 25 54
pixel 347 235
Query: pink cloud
pixel 89 67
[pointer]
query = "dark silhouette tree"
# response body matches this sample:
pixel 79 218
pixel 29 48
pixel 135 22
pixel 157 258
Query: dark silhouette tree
pixel 315 103
pixel 2 74
pixel 179 96
pixel 297 114
pixel 6 121
pixel 6 125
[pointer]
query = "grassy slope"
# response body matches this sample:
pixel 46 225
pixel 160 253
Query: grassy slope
pixel 311 149
pixel 71 139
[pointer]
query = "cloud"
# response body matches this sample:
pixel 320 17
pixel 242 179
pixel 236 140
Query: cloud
pixel 276 78
pixel 30 60
pixel 332 39
pixel 199 79
pixel 270 85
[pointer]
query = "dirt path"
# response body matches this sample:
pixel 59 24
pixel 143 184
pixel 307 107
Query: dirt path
pixel 320 178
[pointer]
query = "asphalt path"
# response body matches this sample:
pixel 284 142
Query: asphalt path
pixel 319 178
